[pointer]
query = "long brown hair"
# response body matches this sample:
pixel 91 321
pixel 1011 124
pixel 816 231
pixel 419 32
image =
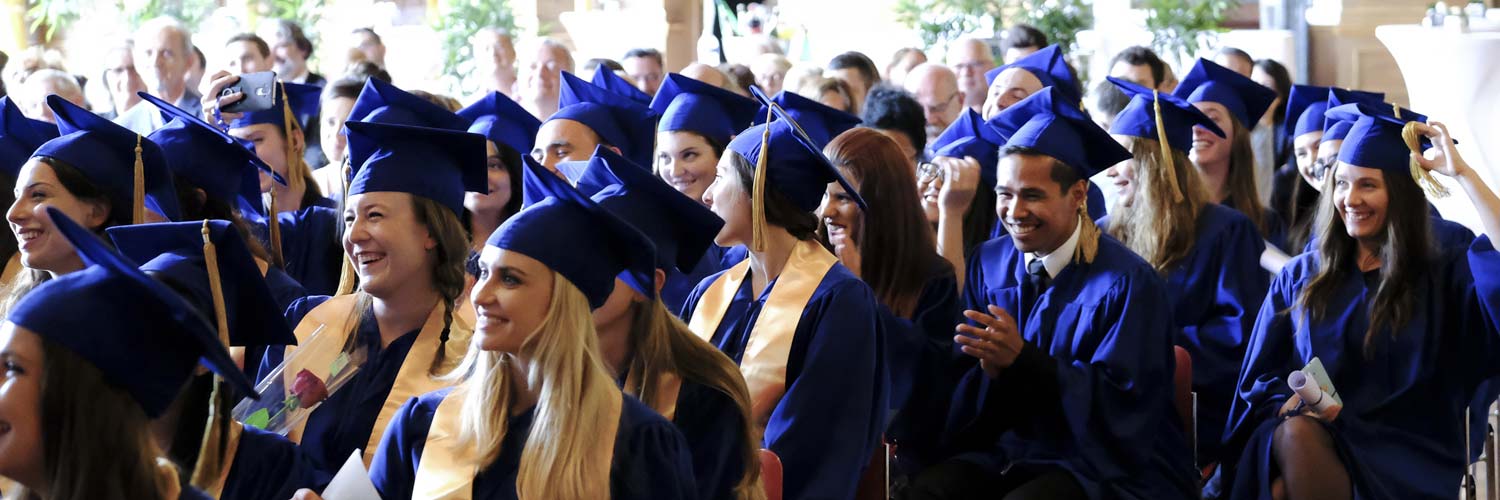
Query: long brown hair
pixel 1158 226
pixel 86 191
pixel 780 211
pixel 1240 182
pixel 661 345
pixel 96 442
pixel 1405 252
pixel 894 243
pixel 447 276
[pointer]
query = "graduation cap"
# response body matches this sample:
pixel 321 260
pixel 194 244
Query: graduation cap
pixel 293 102
pixel 788 160
pixel 223 166
pixel 19 137
pixel 1304 109
pixel 1334 129
pixel 1047 65
pixel 681 228
pixel 619 121
pixel 143 336
pixel 1385 137
pixel 177 253
pixel 436 164
pixel 1241 96
pixel 606 79
pixel 503 122
pixel 1050 124
pixel 1164 118
pixel 128 167
pixel 818 121
pixel 381 102
pixel 694 106
pixel 968 136
pixel 597 247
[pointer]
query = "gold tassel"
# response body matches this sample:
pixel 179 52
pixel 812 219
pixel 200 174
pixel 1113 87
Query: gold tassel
pixel 138 203
pixel 1413 140
pixel 1088 238
pixel 758 191
pixel 275 223
pixel 1166 149
pixel 347 276
pixel 211 459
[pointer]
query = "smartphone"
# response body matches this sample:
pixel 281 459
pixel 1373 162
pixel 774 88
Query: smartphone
pixel 259 90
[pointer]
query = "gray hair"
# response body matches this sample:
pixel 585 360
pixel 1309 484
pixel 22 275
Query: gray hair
pixel 167 23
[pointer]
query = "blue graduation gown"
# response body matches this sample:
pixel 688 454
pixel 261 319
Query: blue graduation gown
pixel 310 246
pixel 918 354
pixel 714 430
pixel 1215 292
pixel 267 466
pixel 829 420
pixel 1400 434
pixel 344 421
pixel 1099 339
pixel 1275 232
pixel 285 291
pixel 651 459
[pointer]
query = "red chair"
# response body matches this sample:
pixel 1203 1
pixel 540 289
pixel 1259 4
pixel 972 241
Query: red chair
pixel 1182 396
pixel 770 473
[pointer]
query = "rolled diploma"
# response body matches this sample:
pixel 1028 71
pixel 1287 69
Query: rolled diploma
pixel 1308 389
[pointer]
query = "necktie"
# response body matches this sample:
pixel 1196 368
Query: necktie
pixel 1037 281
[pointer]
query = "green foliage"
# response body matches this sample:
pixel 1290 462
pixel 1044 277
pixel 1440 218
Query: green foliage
pixel 60 14
pixel 1180 27
pixel 457 23
pixel 304 12
pixel 942 21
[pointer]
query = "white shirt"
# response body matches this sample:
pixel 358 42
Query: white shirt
pixel 1059 258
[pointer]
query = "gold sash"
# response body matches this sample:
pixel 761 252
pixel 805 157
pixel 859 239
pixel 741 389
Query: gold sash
pixel 412 378
pixel 448 467
pixel 667 388
pixel 770 342
pixel 236 429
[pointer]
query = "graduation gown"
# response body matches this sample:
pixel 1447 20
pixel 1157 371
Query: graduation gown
pixel 1400 434
pixel 267 466
pixel 713 427
pixel 827 423
pixel 347 420
pixel 650 457
pixel 310 246
pixel 918 354
pixel 680 285
pixel 1215 292
pixel 1096 376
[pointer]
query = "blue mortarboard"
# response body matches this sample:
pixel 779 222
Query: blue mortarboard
pixel 1178 116
pixel 1335 130
pixel 1241 96
pixel 1048 123
pixel 618 120
pixel 1304 109
pixel 606 79
pixel 210 159
pixel 436 164
pixel 1374 138
pixel 19 137
pixel 105 153
pixel 503 122
pixel 1048 66
pixel 968 136
pixel 595 247
pixel 143 336
pixel 174 253
pixel 820 122
pixel 680 227
pixel 381 102
pixel 691 105
pixel 301 100
pixel 795 164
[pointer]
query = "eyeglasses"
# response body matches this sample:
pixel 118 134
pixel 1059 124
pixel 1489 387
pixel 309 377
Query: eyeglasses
pixel 928 171
pixel 941 107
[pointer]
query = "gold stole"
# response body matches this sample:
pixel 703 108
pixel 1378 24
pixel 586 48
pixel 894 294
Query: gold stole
pixel 770 342
pixel 665 397
pixel 233 440
pixel 412 378
pixel 447 468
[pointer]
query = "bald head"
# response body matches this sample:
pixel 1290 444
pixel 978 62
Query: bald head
pixel 936 88
pixel 706 74
pixel 970 58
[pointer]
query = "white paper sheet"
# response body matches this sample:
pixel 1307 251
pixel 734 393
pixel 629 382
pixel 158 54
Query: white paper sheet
pixel 352 481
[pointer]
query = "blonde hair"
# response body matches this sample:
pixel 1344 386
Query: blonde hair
pixel 572 439
pixel 662 344
pixel 1158 226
